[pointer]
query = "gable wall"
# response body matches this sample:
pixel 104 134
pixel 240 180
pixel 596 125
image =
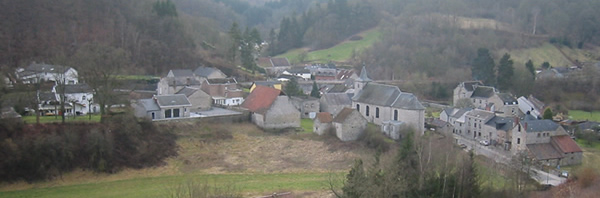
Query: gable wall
pixel 282 114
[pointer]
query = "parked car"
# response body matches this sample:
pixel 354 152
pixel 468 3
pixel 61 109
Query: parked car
pixel 564 174
pixel 484 142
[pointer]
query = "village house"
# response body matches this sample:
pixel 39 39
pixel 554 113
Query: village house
pixel 475 120
pixel 334 102
pixel 456 118
pixel 486 97
pixel 464 90
pixel 272 84
pixel 349 124
pixel 224 91
pixel 322 123
pixel 199 99
pixel 80 98
pixel 274 66
pixel 304 74
pixel 176 80
pixel 40 72
pixel 498 130
pixel 324 74
pixel 344 74
pixel 379 103
pixel 270 108
pixel 308 106
pixel 162 107
pixel 530 106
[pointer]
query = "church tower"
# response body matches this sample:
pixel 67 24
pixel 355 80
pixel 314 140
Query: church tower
pixel 362 80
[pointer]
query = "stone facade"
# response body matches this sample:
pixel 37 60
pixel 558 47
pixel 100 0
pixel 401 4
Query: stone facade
pixel 308 106
pixel 282 114
pixel 322 123
pixel 349 125
pixel 334 102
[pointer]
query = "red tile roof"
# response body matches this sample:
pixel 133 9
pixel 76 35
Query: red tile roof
pixel 566 144
pixel 261 99
pixel 324 117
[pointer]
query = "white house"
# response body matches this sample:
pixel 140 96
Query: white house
pixel 80 97
pixel 36 72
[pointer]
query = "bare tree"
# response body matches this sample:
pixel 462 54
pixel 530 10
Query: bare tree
pixel 535 11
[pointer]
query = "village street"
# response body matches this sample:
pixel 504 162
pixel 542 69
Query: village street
pixel 501 156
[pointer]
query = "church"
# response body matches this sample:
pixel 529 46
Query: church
pixel 387 106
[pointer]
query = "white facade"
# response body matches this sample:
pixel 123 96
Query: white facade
pixel 228 101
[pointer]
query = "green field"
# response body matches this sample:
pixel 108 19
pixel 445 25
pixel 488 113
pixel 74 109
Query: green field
pixel 548 52
pixel 307 125
pixel 159 186
pixel 340 52
pixel 583 116
pixel 52 119
pixel 137 77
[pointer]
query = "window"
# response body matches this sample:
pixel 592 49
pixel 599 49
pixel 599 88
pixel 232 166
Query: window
pixel 175 113
pixel 168 113
pixel 475 125
pixel 358 107
pixel 396 115
pixel 518 140
pixel 376 112
pixel 479 134
pixel 519 128
pixel 153 116
pixel 367 111
pixel 539 134
pixel 83 98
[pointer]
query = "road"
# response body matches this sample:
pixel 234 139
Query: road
pixel 504 157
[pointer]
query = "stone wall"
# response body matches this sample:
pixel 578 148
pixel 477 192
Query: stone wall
pixel 282 114
pixel 352 128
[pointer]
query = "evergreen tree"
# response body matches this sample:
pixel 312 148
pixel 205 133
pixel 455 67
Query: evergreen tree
pixel 482 67
pixel 471 186
pixel 315 90
pixel 236 38
pixel 164 8
pixel 355 181
pixel 247 50
pixel 548 114
pixel 530 68
pixel 292 88
pixel 272 45
pixel 505 72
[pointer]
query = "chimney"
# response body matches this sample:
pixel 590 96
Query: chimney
pixel 525 126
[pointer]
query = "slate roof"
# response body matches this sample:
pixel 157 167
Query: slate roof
pixel 298 70
pixel 221 81
pixel 182 72
pixel 540 125
pixel 507 98
pixel 187 91
pixel 589 125
pixel 280 62
pixel 461 112
pixel 481 114
pixel 363 75
pixel 149 104
pixel 483 92
pixel 42 67
pixel 78 88
pixel 343 115
pixel 205 71
pixel 261 99
pixel 172 100
pixel 337 99
pixel 470 85
pixel 566 144
pixel 344 74
pixel 324 117
pixel 47 96
pixel 182 82
pixel 501 123
pixel 387 96
pixel 544 151
pixel 339 88
pixel 439 123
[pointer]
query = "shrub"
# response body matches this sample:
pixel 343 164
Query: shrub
pixel 586 176
pixel 374 139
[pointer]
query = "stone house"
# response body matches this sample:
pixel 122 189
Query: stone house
pixel 393 129
pixel 498 130
pixel 270 108
pixel 456 118
pixel 176 80
pixel 274 66
pixel 530 106
pixel 224 91
pixel 349 124
pixel 530 131
pixel 475 120
pixel 308 106
pixel 322 123
pixel 209 72
pixel 163 107
pixel 199 99
pixel 571 153
pixel 334 102
pixel 324 74
pixel 486 97
pixel 379 103
pixel 464 90
pixel 37 72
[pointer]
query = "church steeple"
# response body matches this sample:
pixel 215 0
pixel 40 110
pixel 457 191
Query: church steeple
pixel 362 80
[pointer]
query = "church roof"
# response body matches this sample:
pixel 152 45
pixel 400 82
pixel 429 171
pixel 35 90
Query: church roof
pixel 387 96
pixel 363 75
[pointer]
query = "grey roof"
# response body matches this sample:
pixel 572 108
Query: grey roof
pixel 172 100
pixel 339 88
pixel 174 81
pixel 481 114
pixel 78 88
pixel 47 96
pixel 540 125
pixel 221 81
pixel 501 123
pixel 42 67
pixel 8 112
pixel 461 112
pixel 588 125
pixel 337 99
pixel 363 75
pixel 206 71
pixel 149 104
pixel 544 151
pixel 343 115
pixel 298 70
pixel 280 62
pixel 470 85
pixel 187 91
pixel 387 96
pixel 507 98
pixel 182 72
pixel 483 92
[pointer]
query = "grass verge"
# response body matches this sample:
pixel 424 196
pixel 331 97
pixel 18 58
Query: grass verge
pixel 54 119
pixel 583 115
pixel 248 184
pixel 307 125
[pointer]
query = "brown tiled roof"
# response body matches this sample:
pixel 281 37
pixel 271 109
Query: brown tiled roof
pixel 344 74
pixel 324 117
pixel 544 151
pixel 342 115
pixel 566 144
pixel 261 99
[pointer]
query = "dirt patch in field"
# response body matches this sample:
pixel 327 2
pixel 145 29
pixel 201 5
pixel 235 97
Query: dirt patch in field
pixel 251 150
